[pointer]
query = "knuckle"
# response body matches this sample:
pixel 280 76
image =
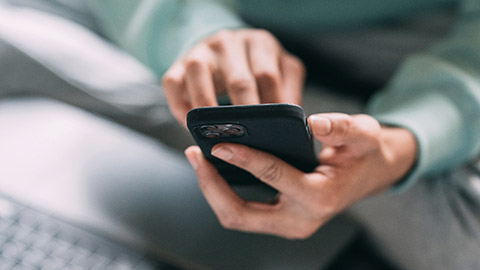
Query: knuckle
pixel 169 81
pixel 309 232
pixel 219 41
pixel 321 212
pixel 268 81
pixel 370 128
pixel 223 35
pixel 342 127
pixel 303 233
pixel 272 173
pixel 267 76
pixel 370 123
pixel 264 34
pixel 346 119
pixel 238 85
pixel 217 45
pixel 365 118
pixel 319 209
pixel 194 63
pixel 299 65
pixel 296 65
pixel 231 221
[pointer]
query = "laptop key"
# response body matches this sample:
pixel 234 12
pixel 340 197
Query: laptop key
pixel 13 250
pixel 33 257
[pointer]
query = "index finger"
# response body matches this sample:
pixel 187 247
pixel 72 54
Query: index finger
pixel 232 211
pixel 264 54
pixel 266 167
pixel 232 58
pixel 293 73
pixel 199 82
pixel 175 91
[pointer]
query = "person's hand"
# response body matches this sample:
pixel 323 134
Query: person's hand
pixel 250 65
pixel 359 158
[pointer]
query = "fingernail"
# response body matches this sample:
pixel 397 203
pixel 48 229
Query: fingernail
pixel 321 125
pixel 192 158
pixel 223 152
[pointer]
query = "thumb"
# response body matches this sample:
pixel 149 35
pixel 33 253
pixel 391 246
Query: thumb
pixel 337 129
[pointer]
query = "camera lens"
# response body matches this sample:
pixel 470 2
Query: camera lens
pixel 209 127
pixel 211 135
pixel 233 130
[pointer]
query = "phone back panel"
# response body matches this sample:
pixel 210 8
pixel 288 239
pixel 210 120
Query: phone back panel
pixel 279 129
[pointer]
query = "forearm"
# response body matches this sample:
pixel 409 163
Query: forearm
pixel 400 150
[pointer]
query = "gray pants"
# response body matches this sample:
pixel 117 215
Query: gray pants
pixel 434 225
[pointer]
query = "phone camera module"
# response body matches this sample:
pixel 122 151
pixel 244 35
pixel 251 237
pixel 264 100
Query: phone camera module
pixel 233 130
pixel 221 131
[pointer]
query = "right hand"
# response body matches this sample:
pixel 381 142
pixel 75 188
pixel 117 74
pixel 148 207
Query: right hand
pixel 249 65
pixel 358 158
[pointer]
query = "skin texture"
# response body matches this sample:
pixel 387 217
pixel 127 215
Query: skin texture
pixel 359 158
pixel 249 65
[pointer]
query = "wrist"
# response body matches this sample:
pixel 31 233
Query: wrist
pixel 400 149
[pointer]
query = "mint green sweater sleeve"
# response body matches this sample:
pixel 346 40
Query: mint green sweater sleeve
pixel 158 31
pixel 436 95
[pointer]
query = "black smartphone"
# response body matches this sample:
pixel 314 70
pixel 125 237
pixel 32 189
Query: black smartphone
pixel 279 129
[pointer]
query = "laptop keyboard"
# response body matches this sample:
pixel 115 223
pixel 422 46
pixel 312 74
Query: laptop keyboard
pixel 30 239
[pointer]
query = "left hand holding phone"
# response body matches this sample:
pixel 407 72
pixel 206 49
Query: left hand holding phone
pixel 358 158
pixel 249 65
